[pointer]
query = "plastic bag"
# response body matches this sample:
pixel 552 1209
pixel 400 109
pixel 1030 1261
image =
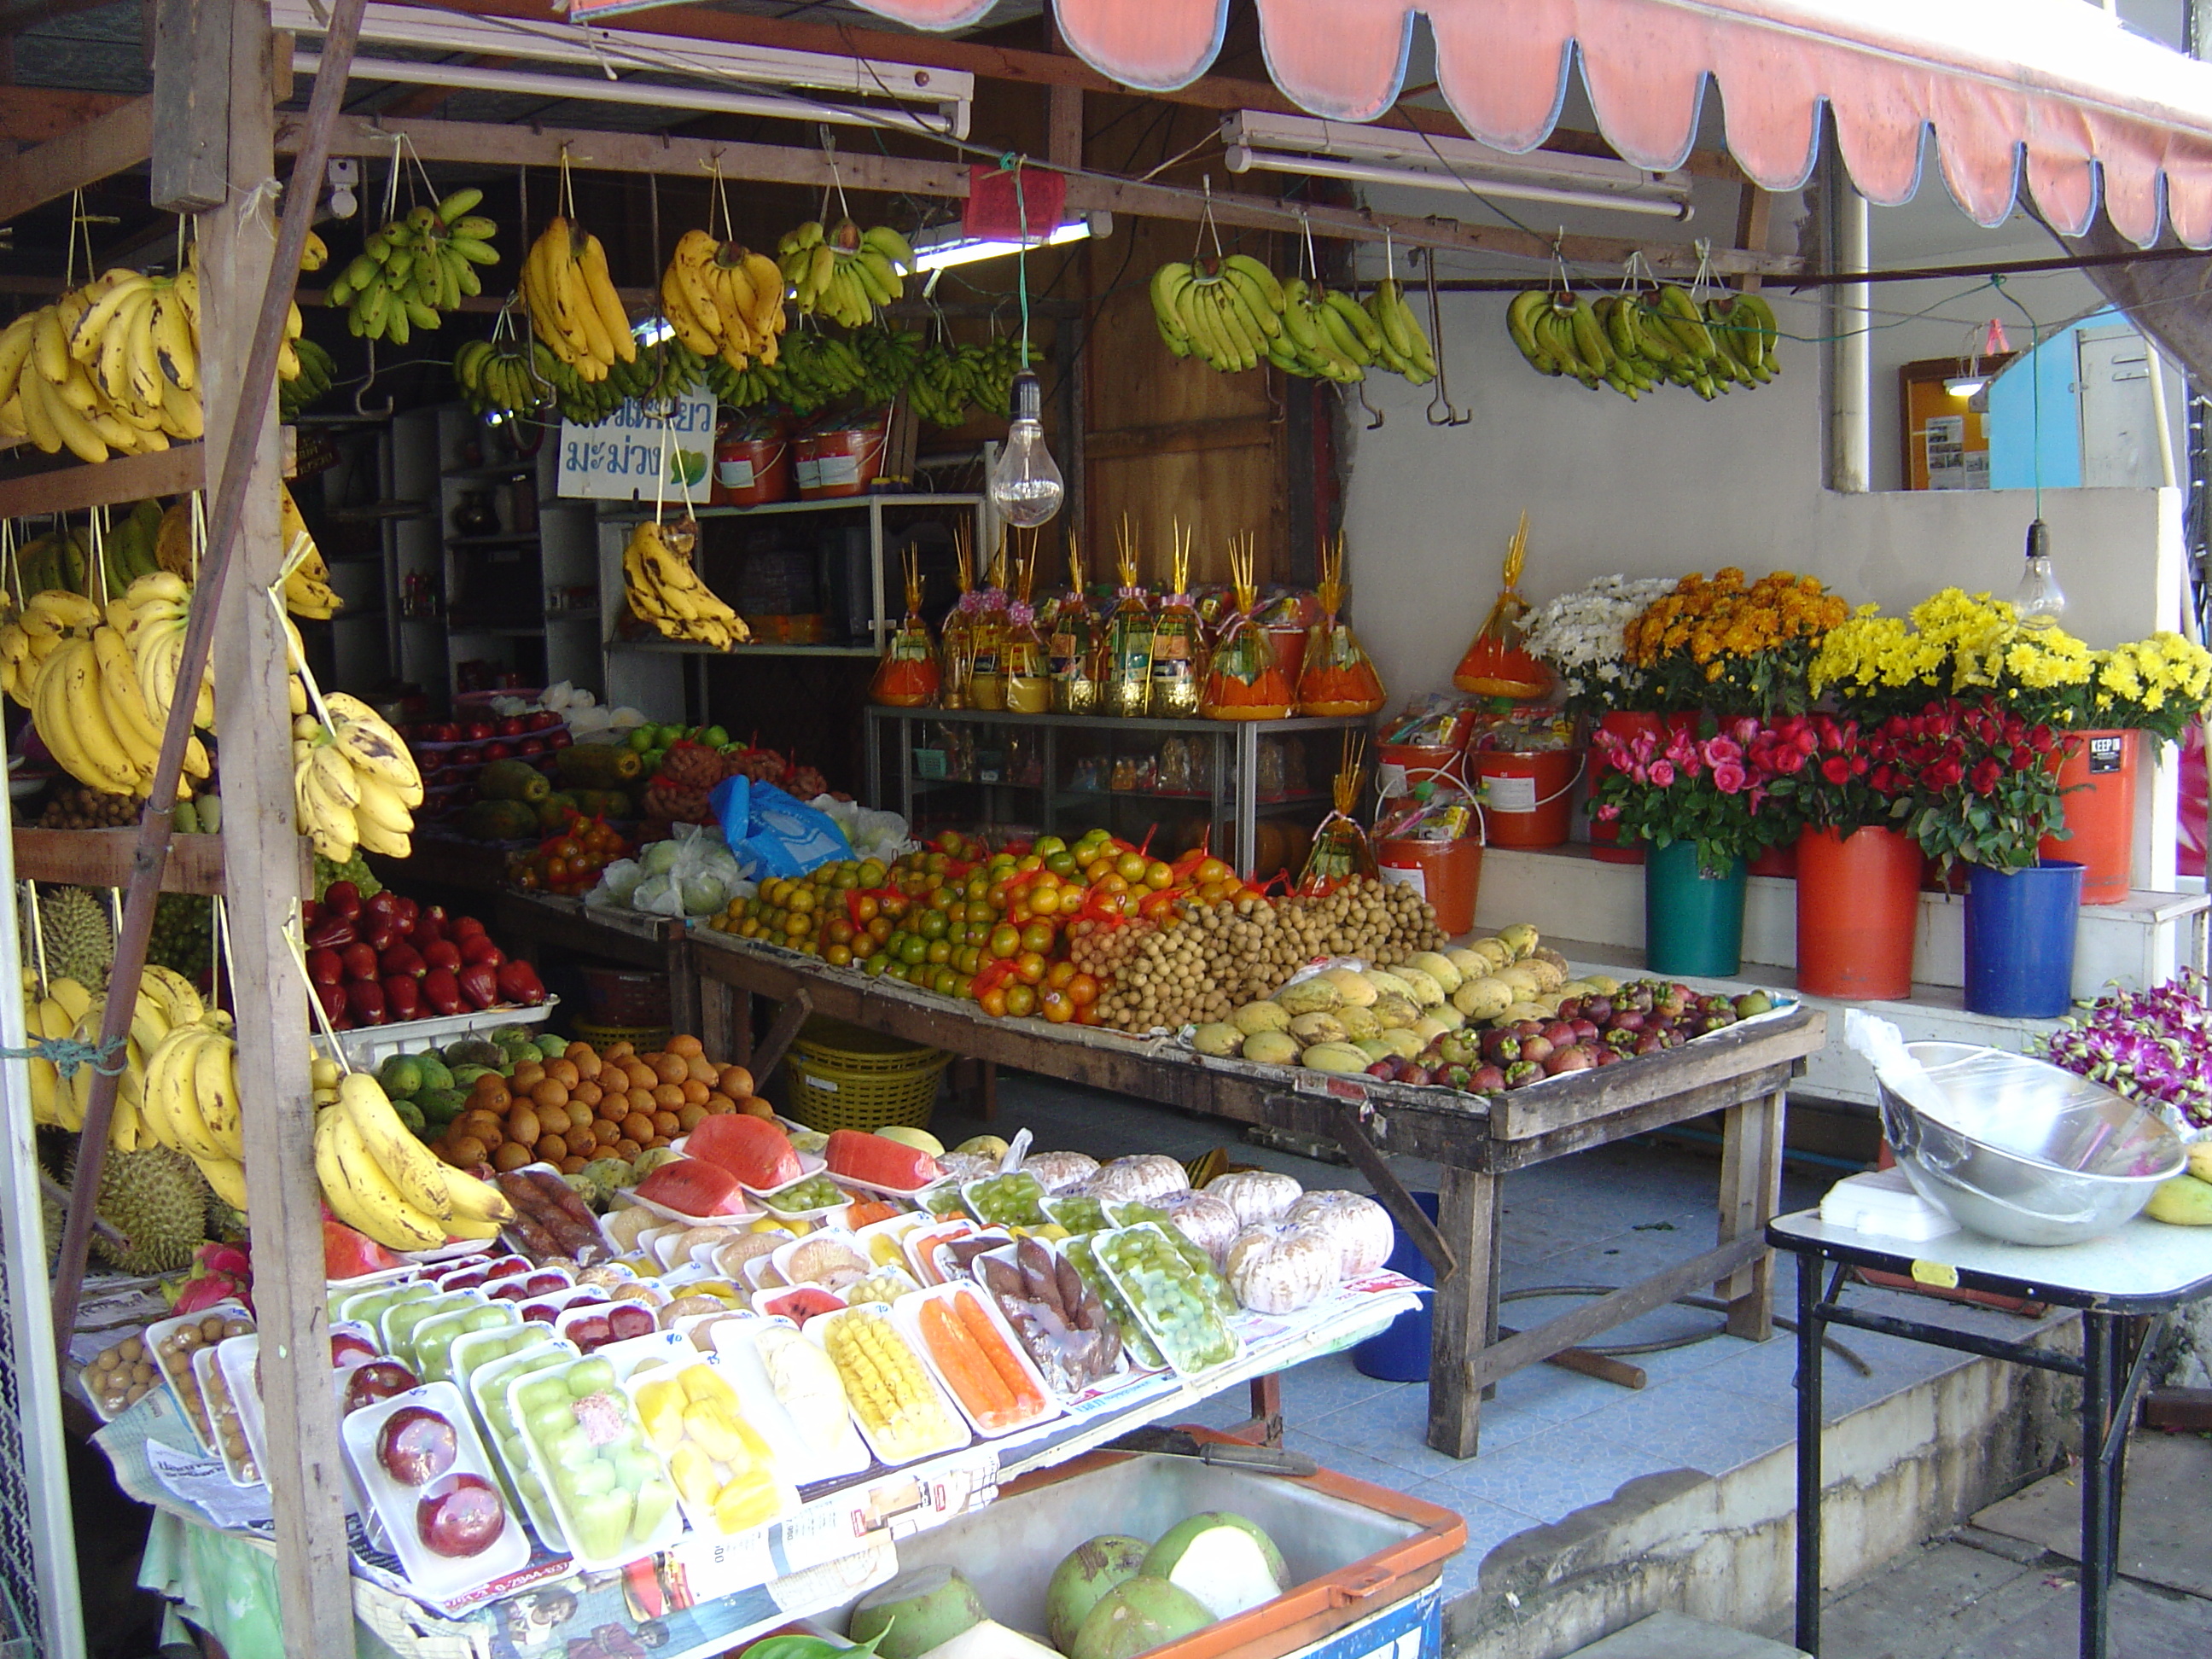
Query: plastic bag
pixel 1495 665
pixel 1336 676
pixel 908 676
pixel 616 883
pixel 771 834
pixel 1243 681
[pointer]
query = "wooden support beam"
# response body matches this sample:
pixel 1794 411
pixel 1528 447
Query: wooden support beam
pixel 123 137
pixel 191 103
pixel 31 115
pixel 73 486
pixel 624 152
pixel 102 857
pixel 1181 437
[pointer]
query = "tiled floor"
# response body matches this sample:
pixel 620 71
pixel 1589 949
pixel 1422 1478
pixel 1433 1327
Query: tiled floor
pixel 1552 1440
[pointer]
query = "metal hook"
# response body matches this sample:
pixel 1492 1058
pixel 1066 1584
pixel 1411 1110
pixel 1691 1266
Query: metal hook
pixel 360 403
pixel 1360 392
pixel 1441 397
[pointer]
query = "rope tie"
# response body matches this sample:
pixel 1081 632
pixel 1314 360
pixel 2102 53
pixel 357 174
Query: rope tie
pixel 66 1055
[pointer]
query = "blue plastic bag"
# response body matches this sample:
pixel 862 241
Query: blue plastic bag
pixel 771 832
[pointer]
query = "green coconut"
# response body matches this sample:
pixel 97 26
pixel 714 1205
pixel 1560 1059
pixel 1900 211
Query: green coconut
pixel 1089 1571
pixel 1136 1616
pixel 1227 1562
pixel 916 1612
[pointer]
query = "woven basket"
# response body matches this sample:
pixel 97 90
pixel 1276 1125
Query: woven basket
pixel 645 1039
pixel 830 1097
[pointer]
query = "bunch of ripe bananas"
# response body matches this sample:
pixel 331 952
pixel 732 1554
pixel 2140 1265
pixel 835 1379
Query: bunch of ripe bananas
pixel 354 781
pixel 167 1004
pixel 573 305
pixel 99 684
pixel 844 273
pixel 307 591
pixel 318 373
pixel 379 1179
pixel 416 268
pixel 723 300
pixel 189 1098
pixel 664 590
pixel 1637 345
pixel 112 367
pixel 1232 314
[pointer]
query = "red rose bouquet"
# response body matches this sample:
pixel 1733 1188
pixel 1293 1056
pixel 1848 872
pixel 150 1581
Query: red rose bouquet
pixel 1974 782
pixel 1715 791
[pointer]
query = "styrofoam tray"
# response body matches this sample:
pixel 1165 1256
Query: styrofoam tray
pixel 368 1045
pixel 440 1577
pixel 956 1435
pixel 906 1319
pixel 807 1463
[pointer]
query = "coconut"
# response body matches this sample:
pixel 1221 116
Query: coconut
pixel 1136 1616
pixel 1223 1559
pixel 1087 1572
pixel 915 1613
pixel 991 1640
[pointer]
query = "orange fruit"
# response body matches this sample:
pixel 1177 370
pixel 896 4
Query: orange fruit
pixel 463 1151
pixel 555 1120
pixel 626 1150
pixel 587 1065
pixel 570 1165
pixel 640 1100
pixel 690 1118
pixel 549 1092
pixel 736 1082
pixel 671 1068
pixel 701 1071
pixel 584 1143
pixel 666 1123
pixel 754 1106
pixel 587 1093
pixel 491 1093
pixel 695 1093
pixel 637 1127
pixel 618 1051
pixel 565 1073
pixel 551 1149
pixel 522 1125
pixel 640 1074
pixel 576 1051
pixel 686 1047
pixel 605 1131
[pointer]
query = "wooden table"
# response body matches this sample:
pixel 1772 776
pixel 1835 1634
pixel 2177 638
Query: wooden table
pixel 537 922
pixel 1743 1072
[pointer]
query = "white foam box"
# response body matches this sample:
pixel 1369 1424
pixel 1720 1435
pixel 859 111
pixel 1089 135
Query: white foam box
pixel 1882 1201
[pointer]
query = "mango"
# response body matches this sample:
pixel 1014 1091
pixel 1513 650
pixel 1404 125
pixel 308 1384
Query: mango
pixel 1256 1016
pixel 1471 964
pixel 1483 999
pixel 1376 1048
pixel 1496 952
pixel 1317 995
pixel 1335 1057
pixel 1356 990
pixel 1393 1010
pixel 1272 1048
pixel 2200 1159
pixel 2184 1201
pixel 1386 982
pixel 1358 1022
pixel 1521 939
pixel 1427 993
pixel 1438 968
pixel 1404 1041
pixel 1309 1028
pixel 1549 975
pixel 1219 1038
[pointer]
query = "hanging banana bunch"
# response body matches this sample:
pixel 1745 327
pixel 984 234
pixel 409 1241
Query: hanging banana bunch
pixel 573 305
pixel 844 273
pixel 355 782
pixel 724 300
pixel 664 590
pixel 1637 345
pixel 416 268
pixel 307 591
pixel 1404 348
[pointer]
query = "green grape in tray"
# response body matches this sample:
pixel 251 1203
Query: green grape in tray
pixel 1076 1212
pixel 1014 1199
pixel 1144 1354
pixel 1168 1297
pixel 944 1200
pixel 1131 1213
pixel 814 1192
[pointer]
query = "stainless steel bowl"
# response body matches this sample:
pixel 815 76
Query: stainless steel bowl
pixel 2022 1150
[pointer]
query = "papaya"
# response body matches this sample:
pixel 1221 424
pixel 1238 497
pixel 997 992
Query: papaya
pixel 498 820
pixel 514 781
pixel 553 811
pixel 599 765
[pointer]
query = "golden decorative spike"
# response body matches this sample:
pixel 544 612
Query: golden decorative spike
pixel 1344 790
pixel 1516 554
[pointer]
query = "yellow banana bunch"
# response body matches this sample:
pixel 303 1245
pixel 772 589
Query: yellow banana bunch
pixel 380 1180
pixel 573 305
pixel 159 607
pixel 844 272
pixel 112 367
pixel 724 300
pixel 307 590
pixel 353 781
pixel 664 590
pixel 189 1099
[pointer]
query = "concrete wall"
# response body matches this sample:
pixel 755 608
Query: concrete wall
pixel 1672 485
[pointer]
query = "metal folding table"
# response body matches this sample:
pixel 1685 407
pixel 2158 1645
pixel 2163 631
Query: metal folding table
pixel 2122 1284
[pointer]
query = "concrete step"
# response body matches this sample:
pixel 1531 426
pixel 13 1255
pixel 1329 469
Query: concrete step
pixel 1677 1636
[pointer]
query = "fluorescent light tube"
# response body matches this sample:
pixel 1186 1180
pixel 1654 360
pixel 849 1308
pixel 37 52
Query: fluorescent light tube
pixel 948 247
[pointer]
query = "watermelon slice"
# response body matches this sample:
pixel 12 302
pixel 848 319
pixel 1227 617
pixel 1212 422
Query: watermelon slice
pixel 690 1186
pixel 751 1148
pixel 879 1160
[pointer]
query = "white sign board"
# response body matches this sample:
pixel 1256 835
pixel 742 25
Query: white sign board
pixel 621 457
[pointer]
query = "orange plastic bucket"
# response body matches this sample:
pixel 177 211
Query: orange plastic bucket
pixel 2099 777
pixel 1527 799
pixel 1421 762
pixel 1445 873
pixel 1858 909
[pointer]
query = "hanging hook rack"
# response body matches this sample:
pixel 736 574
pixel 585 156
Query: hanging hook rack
pixel 361 397
pixel 1441 400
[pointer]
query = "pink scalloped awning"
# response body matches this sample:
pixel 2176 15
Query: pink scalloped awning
pixel 2098 113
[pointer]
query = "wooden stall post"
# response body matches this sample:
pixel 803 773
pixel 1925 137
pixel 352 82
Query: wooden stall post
pixel 1465 1319
pixel 1750 1197
pixel 261 867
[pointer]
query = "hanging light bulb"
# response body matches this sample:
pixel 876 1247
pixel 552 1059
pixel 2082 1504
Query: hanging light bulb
pixel 1025 486
pixel 2039 598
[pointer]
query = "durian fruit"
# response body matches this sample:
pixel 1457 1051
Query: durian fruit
pixel 80 944
pixel 224 1223
pixel 158 1201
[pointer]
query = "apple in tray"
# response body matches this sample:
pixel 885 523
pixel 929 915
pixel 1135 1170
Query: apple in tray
pixel 379 1379
pixel 462 1515
pixel 416 1445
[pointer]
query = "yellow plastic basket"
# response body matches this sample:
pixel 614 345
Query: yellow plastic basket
pixel 829 1097
pixel 855 1051
pixel 645 1039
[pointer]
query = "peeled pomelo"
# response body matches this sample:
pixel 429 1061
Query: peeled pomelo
pixel 1089 1571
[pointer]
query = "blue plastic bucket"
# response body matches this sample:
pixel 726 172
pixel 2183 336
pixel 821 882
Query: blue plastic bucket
pixel 2020 939
pixel 1401 1354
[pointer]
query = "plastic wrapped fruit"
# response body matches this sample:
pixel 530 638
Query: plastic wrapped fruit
pixel 1279 1269
pixel 1359 1226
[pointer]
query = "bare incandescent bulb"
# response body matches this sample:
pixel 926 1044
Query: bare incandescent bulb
pixel 2038 599
pixel 1026 487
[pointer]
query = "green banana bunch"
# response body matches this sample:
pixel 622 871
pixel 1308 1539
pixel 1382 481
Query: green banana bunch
pixel 889 357
pixel 416 269
pixel 1405 347
pixel 497 378
pixel 1326 335
pixel 58 560
pixel 317 372
pixel 128 551
pixel 844 273
pixel 1227 312
pixel 1637 345
pixel 950 383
